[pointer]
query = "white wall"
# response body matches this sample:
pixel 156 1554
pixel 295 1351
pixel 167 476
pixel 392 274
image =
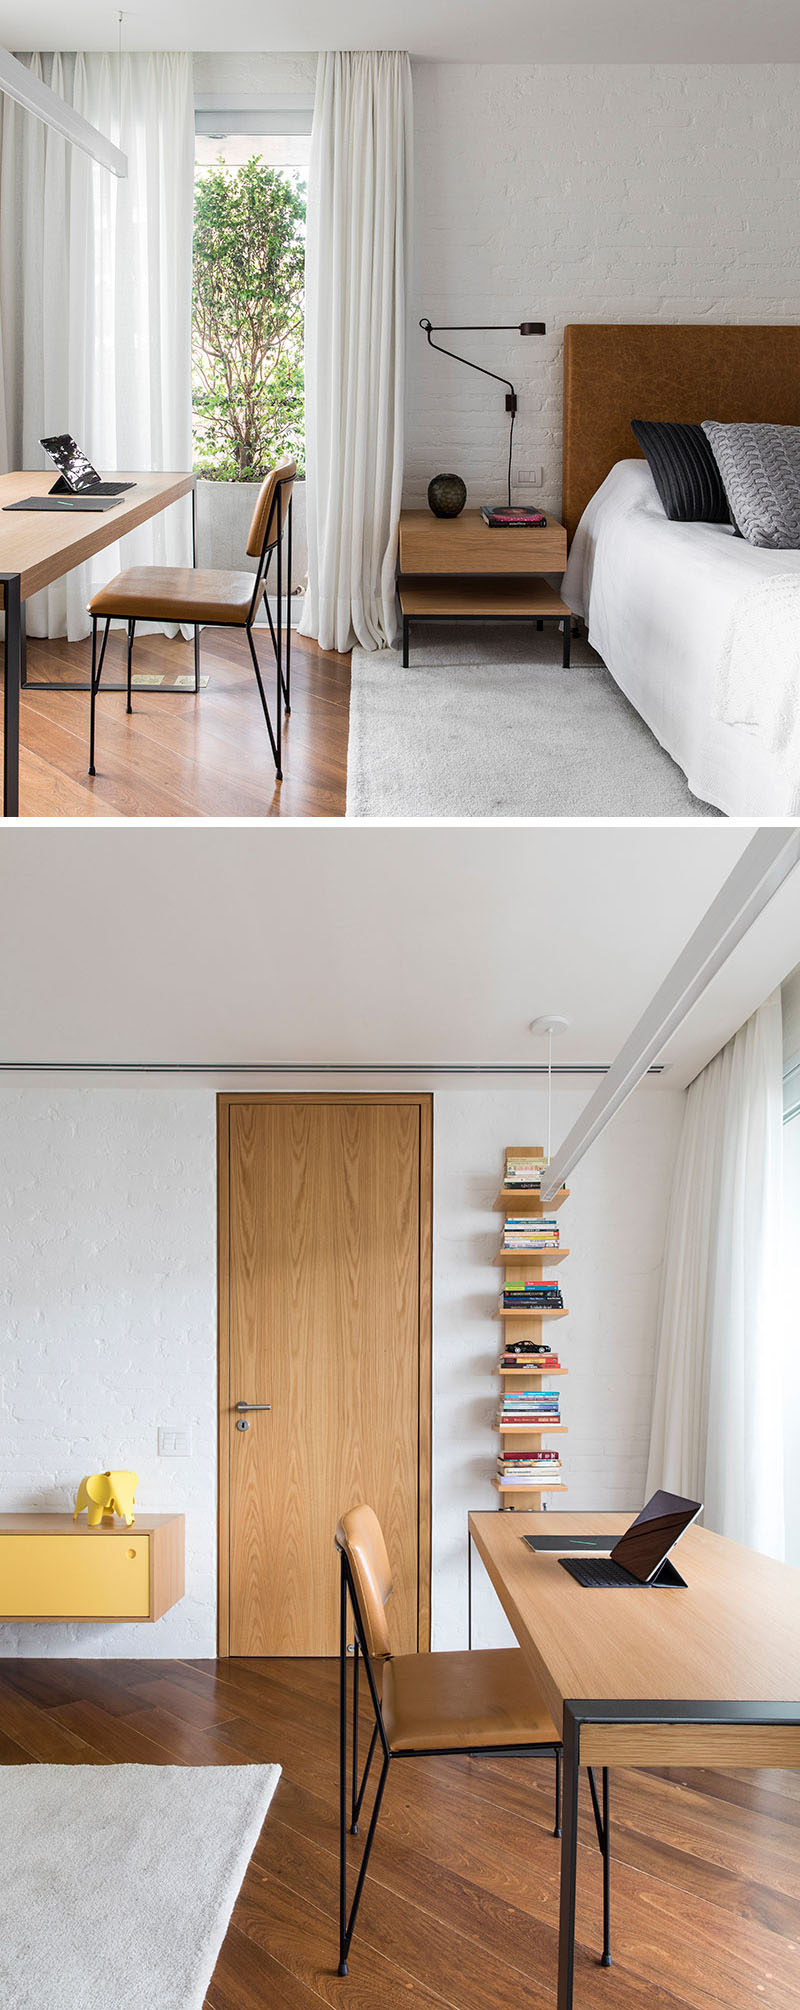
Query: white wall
pixel 584 193
pixel 108 1296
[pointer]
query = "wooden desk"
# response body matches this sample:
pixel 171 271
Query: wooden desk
pixel 702 1677
pixel 457 569
pixel 37 548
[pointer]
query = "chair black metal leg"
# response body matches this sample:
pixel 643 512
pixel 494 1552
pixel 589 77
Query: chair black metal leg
pixel 353 1809
pixel 131 633
pixel 279 631
pixel 289 608
pixel 345 1939
pixel 265 708
pixel 342 1773
pixel 95 684
pixel 197 656
pixel 557 1829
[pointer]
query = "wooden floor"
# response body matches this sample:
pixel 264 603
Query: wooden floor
pixel 184 756
pixel 460 1905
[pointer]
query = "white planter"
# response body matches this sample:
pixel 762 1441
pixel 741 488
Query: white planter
pixel 224 510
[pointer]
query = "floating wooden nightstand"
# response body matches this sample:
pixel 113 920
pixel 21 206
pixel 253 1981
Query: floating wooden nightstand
pixel 457 569
pixel 52 1568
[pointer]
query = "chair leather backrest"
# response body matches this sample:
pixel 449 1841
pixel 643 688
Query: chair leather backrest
pixel 260 518
pixel 360 1535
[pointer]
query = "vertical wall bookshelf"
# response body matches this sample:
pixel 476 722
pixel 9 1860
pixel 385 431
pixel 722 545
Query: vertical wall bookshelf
pixel 534 1327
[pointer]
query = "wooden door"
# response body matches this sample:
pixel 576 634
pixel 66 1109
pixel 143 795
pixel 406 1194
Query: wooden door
pixel 324 1314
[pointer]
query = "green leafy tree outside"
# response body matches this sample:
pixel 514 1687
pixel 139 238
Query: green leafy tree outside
pixel 249 268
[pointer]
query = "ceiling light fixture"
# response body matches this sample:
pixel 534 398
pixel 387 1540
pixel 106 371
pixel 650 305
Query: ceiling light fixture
pixel 18 82
pixel 549 1024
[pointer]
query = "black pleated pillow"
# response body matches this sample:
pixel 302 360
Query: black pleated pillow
pixel 684 470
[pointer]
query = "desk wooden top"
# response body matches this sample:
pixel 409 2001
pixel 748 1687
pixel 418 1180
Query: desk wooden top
pixel 41 546
pixel 732 1636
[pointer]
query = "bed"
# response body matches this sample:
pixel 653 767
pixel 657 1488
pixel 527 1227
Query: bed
pixel 688 618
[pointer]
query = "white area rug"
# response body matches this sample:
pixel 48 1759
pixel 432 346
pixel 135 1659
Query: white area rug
pixel 118 1881
pixel 485 723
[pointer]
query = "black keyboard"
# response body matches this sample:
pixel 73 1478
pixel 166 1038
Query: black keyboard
pixel 109 488
pixel 597 1570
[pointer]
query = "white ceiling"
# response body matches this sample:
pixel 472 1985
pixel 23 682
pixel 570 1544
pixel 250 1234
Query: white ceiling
pixel 480 31
pixel 229 945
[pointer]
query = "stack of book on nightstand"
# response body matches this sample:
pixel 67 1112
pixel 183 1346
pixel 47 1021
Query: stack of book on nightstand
pixel 524 1233
pixel 529 1469
pixel 500 517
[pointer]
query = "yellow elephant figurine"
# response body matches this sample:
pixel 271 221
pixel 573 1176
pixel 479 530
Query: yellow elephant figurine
pixel 107 1494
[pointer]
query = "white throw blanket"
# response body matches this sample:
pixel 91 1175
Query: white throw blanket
pixel 758 677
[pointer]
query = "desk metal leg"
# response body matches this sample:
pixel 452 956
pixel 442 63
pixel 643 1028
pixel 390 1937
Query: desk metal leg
pixel 12 606
pixel 569 1860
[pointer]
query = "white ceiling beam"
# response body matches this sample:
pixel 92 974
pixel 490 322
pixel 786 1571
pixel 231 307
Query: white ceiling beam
pixel 18 82
pixel 769 858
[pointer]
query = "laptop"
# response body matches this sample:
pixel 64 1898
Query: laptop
pixel 640 1556
pixel 78 477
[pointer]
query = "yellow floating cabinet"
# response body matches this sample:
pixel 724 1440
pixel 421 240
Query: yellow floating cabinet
pixel 51 1570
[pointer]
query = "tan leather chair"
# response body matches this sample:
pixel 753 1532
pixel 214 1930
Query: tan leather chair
pixel 427 1703
pixel 219 599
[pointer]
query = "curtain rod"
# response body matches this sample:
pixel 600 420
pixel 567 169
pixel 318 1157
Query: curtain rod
pixel 537 1068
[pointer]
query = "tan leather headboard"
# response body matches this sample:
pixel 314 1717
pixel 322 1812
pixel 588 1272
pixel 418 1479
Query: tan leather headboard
pixel 615 374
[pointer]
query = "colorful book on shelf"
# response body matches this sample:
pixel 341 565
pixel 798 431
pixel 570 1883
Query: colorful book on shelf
pixel 533 1362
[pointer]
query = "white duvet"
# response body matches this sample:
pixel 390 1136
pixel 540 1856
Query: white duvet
pixel 702 632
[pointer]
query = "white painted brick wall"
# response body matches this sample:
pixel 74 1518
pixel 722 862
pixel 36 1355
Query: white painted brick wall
pixel 613 1225
pixel 108 1318
pixel 108 1308
pixel 584 193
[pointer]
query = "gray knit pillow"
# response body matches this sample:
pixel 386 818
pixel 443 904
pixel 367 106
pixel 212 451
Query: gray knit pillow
pixel 760 469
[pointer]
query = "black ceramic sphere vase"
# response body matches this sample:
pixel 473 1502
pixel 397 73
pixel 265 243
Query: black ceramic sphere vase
pixel 447 495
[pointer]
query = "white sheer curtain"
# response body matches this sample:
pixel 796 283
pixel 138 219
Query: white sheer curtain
pixel 95 294
pixel 357 261
pixel 717 1432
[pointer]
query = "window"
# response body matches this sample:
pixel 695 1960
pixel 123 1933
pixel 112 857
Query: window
pixel 248 286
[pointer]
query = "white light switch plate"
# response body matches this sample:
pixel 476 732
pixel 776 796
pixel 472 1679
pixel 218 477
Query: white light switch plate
pixel 529 478
pixel 173 1444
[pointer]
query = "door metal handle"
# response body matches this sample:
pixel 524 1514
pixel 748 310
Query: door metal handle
pixel 254 1406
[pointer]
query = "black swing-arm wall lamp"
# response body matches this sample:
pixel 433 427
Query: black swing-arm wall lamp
pixel 486 328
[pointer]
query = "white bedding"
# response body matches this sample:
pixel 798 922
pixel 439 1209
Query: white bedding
pixel 683 617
